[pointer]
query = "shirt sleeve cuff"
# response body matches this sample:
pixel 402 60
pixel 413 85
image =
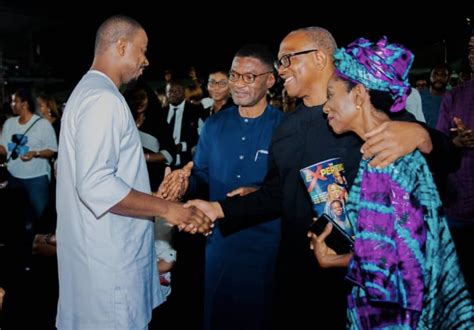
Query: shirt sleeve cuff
pixel 168 157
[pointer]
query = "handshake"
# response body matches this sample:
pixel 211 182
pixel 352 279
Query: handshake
pixel 174 186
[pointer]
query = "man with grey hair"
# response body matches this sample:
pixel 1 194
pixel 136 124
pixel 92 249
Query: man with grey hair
pixel 105 234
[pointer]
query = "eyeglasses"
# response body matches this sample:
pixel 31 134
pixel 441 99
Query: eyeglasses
pixel 214 83
pixel 285 61
pixel 248 78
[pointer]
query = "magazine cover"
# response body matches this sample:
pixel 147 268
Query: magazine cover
pixel 327 187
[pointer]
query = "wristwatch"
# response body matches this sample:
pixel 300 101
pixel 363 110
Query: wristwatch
pixel 37 154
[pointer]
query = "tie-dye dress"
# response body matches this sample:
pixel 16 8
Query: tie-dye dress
pixel 405 269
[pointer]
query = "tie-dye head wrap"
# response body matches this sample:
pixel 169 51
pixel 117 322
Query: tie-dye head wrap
pixel 381 66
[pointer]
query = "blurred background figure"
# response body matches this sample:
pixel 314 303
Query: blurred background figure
pixel 288 103
pixel 414 105
pixel 219 92
pixel 155 133
pixel 456 118
pixel 48 108
pixel 431 98
pixel 31 142
pixel 183 118
pixel 421 84
pixel 465 74
pixel 168 76
pixel 193 92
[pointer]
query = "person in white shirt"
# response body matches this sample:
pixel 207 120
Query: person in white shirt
pixel 29 142
pixel 105 233
pixel 414 105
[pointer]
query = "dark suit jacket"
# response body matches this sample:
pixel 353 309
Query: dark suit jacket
pixel 302 139
pixel 158 127
pixel 189 131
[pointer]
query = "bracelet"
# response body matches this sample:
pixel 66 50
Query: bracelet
pixel 147 156
pixel 37 154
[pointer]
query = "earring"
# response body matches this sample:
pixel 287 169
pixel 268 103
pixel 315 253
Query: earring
pixel 358 107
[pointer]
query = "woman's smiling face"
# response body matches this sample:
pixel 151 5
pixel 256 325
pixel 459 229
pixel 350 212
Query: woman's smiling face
pixel 340 106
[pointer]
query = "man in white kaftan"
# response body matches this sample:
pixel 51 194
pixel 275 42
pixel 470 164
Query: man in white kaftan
pixel 105 233
pixel 101 253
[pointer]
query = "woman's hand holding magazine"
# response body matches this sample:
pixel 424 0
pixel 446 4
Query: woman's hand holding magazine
pixel 323 232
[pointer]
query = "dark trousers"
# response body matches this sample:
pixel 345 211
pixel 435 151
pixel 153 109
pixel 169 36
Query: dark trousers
pixel 463 237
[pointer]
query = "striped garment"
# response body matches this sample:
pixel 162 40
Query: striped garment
pixel 405 269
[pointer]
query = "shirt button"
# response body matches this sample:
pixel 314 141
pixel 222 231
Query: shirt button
pixel 246 120
pixel 238 176
pixel 241 157
pixel 243 138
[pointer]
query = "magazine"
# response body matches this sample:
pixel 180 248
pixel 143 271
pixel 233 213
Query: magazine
pixel 327 187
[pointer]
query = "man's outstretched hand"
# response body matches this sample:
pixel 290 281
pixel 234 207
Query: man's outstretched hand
pixel 175 184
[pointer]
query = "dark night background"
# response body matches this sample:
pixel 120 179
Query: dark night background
pixel 49 46
pixel 183 35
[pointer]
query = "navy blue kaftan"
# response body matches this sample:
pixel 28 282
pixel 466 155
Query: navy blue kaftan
pixel 239 268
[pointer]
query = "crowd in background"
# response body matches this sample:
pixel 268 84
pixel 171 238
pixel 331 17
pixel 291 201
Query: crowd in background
pixel 178 124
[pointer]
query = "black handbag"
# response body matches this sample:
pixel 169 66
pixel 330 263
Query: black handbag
pixel 4 166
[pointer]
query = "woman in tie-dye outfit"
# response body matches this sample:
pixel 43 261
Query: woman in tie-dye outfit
pixel 404 267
